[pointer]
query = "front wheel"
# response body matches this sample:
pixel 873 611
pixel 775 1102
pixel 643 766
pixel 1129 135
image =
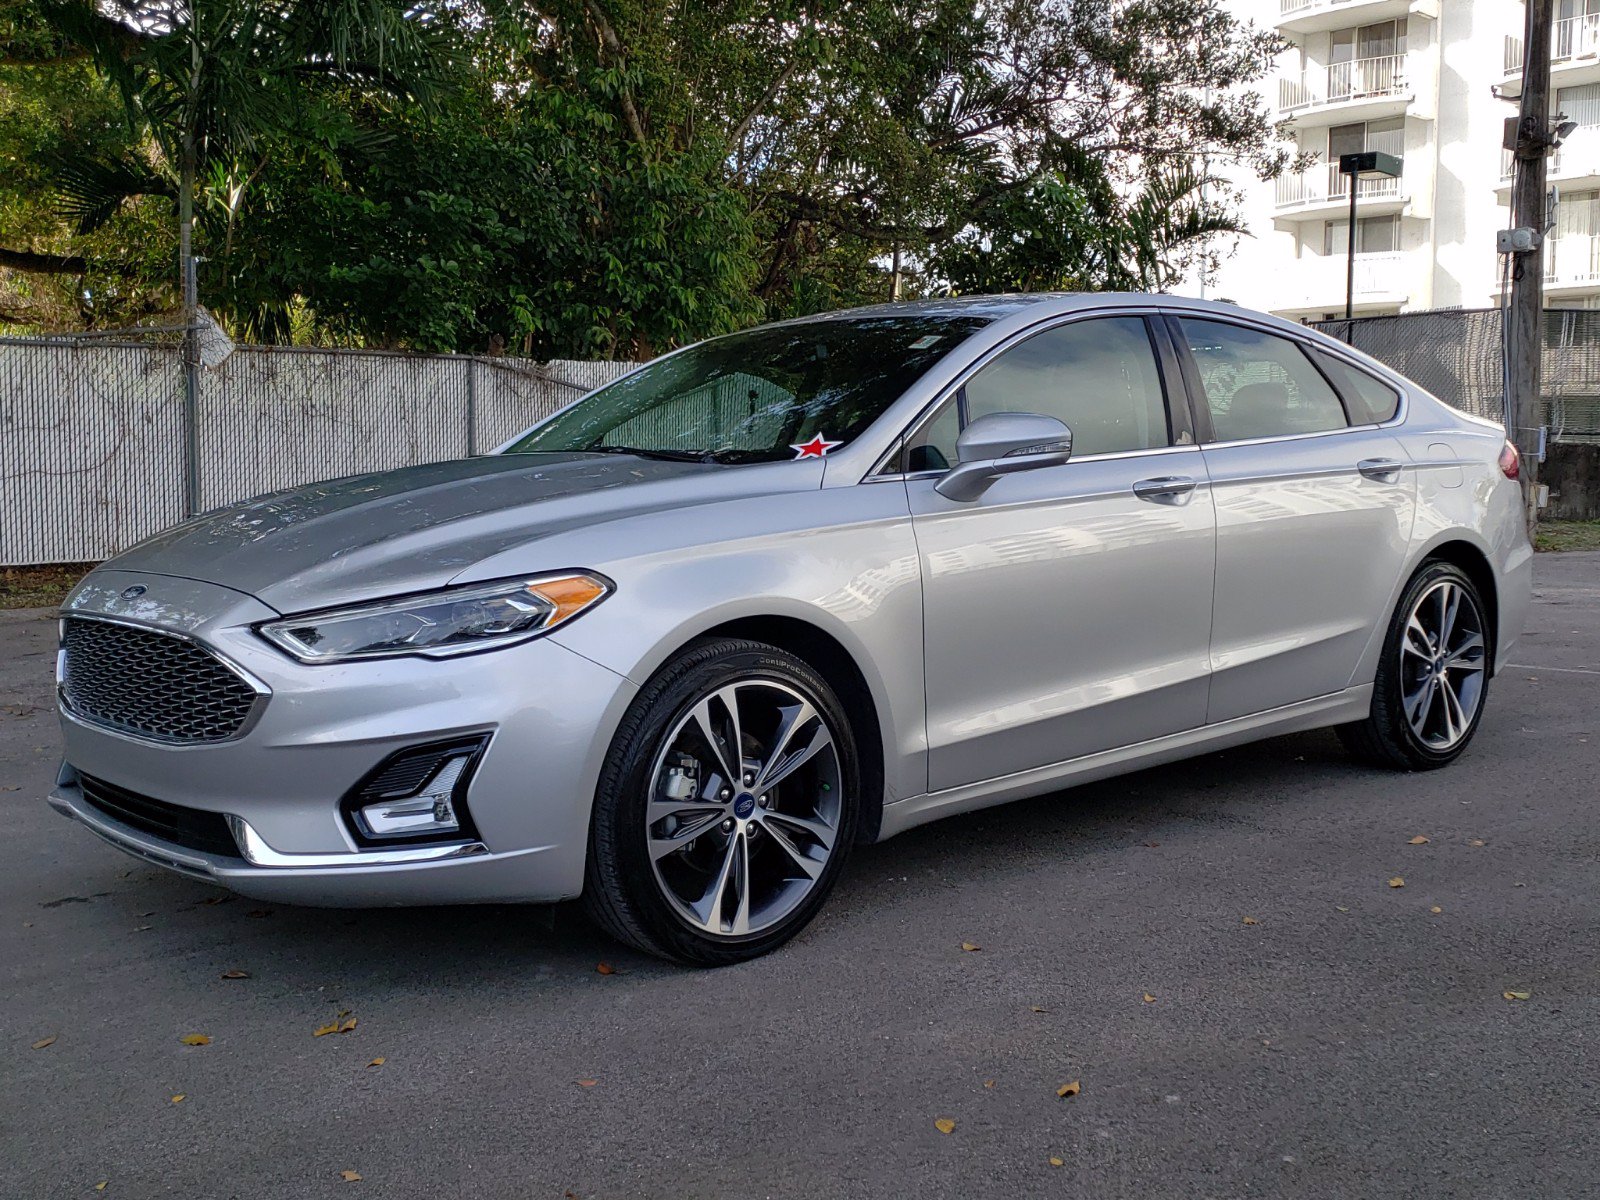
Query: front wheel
pixel 1433 678
pixel 726 808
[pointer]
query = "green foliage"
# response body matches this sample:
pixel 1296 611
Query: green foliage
pixel 614 177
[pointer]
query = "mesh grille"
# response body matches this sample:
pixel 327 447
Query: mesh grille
pixel 151 684
pixel 189 827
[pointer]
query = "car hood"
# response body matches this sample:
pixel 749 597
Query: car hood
pixel 369 536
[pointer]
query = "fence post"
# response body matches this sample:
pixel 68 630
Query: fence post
pixel 472 405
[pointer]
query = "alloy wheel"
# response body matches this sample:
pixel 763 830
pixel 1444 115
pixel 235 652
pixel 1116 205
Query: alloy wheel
pixel 744 807
pixel 1443 656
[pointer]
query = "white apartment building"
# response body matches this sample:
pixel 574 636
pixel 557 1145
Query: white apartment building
pixel 1417 79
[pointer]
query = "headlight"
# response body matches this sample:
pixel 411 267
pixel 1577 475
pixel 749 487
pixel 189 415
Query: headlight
pixel 438 624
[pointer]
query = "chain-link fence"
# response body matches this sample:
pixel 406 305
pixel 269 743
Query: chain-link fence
pixel 94 431
pixel 1456 355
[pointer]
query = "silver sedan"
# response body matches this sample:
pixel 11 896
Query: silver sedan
pixel 682 645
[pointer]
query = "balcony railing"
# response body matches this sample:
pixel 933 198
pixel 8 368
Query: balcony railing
pixel 1324 183
pixel 1339 83
pixel 1294 6
pixel 1573 258
pixel 1570 39
pixel 1575 37
pixel 1318 281
pixel 1578 155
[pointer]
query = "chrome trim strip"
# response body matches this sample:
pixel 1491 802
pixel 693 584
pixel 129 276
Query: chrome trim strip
pixel 255 684
pixel 185 862
pixel 258 853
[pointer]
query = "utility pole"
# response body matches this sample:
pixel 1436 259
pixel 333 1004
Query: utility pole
pixel 1524 332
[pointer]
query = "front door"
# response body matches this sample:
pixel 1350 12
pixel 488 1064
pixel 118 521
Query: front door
pixel 1068 609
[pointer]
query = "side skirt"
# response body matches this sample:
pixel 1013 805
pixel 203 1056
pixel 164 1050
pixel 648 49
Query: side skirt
pixel 1352 704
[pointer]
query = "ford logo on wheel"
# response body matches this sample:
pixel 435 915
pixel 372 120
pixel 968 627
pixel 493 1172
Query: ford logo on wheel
pixel 134 592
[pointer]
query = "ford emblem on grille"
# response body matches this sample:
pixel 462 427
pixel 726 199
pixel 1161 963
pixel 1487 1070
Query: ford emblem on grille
pixel 134 592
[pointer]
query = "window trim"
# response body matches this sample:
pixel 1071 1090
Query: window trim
pixel 1202 412
pixel 1168 372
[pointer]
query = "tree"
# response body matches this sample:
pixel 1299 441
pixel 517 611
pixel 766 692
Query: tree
pixel 209 84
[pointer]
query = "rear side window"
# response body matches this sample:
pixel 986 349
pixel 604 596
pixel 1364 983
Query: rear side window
pixel 1370 400
pixel 1260 385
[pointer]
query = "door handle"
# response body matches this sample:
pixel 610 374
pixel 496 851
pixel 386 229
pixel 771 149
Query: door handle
pixel 1384 470
pixel 1164 489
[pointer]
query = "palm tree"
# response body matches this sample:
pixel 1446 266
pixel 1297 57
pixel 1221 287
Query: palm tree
pixel 1169 225
pixel 211 83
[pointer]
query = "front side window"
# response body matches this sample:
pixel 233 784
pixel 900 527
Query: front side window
pixel 1098 377
pixel 1258 384
pixel 755 396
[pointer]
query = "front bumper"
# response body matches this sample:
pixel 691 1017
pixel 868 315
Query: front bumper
pixel 549 714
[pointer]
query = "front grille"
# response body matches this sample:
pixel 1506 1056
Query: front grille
pixel 151 684
pixel 192 828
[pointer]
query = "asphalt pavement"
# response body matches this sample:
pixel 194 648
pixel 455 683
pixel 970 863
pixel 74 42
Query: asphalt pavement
pixel 1213 952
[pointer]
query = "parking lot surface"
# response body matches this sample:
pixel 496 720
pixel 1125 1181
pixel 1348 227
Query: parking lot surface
pixel 1261 980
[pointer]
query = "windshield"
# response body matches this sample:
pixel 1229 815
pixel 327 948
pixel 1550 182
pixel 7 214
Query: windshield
pixel 768 394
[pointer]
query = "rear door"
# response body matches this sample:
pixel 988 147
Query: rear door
pixel 1314 510
pixel 1067 610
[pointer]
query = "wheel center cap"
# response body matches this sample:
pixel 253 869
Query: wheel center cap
pixel 743 805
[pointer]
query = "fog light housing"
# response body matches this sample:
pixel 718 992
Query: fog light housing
pixel 416 795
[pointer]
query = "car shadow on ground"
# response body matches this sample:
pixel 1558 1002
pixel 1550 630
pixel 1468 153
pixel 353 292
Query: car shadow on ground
pixel 470 946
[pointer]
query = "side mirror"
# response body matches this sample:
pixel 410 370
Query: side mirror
pixel 1002 444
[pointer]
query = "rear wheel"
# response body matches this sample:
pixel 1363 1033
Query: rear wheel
pixel 1431 683
pixel 726 808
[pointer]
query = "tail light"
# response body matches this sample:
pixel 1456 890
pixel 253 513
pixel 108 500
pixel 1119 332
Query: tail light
pixel 1510 462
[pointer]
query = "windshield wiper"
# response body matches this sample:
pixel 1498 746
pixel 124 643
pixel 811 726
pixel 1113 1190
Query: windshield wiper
pixel 695 456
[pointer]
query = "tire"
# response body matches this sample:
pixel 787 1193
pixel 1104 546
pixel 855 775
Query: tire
pixel 766 857
pixel 1393 735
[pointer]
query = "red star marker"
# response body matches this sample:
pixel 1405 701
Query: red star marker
pixel 817 447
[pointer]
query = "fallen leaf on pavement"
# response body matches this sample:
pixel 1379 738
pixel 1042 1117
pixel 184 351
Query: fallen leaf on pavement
pixel 1518 995
pixel 988 1083
pixel 944 1125
pixel 971 946
pixel 605 969
pixel 1341 908
pixel 101 1186
pixel 1251 921
pixel 1436 910
pixel 236 974
pixel 1397 882
pixel 347 1026
pixel 1477 842
pixel 325 1030
pixel 1069 1089
pixel 195 1039
pixel 1037 1008
pixel 587 1082
pixel 1149 999
pixel 1056 1162
pixel 349 1176
pixel 1419 840
pixel 178 1099
pixel 377 1062
pixel 43 1043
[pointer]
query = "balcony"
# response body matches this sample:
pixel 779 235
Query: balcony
pixel 1368 88
pixel 1314 284
pixel 1321 192
pixel 1574 55
pixel 1297 17
pixel 1575 163
pixel 1572 265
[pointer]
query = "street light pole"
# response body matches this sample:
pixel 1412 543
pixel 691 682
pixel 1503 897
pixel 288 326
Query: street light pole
pixel 1350 256
pixel 1365 164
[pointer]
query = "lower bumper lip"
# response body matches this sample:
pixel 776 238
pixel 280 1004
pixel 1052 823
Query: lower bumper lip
pixel 253 848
